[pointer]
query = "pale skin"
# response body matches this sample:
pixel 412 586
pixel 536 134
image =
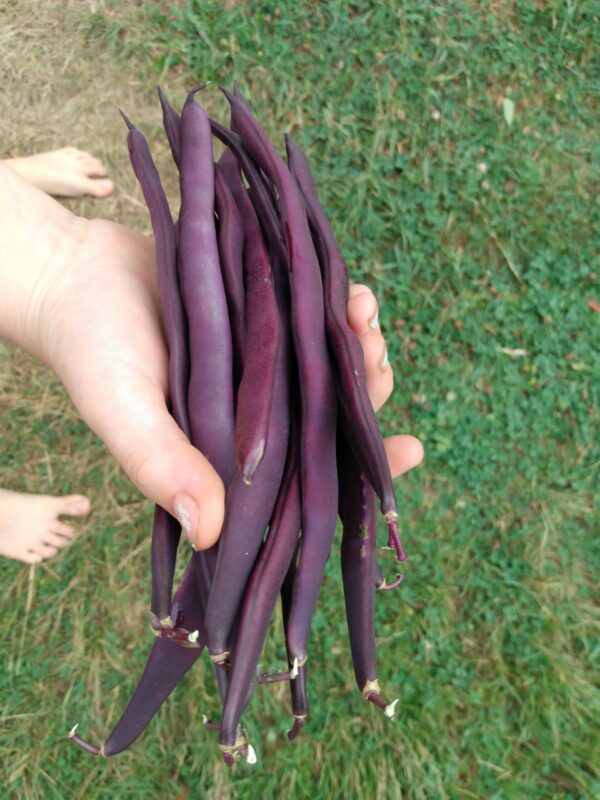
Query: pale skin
pixel 67 172
pixel 82 296
pixel 31 528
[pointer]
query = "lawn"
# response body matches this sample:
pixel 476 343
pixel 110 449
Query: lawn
pixel 456 148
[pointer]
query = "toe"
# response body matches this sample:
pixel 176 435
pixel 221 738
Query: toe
pixel 73 505
pixel 46 550
pixel 54 539
pixel 94 168
pixel 101 187
pixel 62 530
pixel 30 558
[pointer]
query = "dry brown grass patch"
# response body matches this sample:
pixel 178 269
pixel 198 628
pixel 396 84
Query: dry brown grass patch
pixel 61 86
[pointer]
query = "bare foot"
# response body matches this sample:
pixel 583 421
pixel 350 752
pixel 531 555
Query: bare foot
pixel 30 528
pixel 64 173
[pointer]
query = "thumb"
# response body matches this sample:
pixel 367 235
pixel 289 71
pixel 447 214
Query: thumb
pixel 147 442
pixel 173 473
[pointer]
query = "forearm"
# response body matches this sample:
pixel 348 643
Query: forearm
pixel 38 241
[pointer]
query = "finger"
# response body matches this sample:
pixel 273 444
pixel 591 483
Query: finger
pixel 184 482
pixel 358 288
pixel 362 309
pixel 403 452
pixel 363 317
pixel 380 376
pixel 134 422
pixel 165 467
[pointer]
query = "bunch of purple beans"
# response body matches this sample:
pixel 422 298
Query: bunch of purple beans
pixel 267 380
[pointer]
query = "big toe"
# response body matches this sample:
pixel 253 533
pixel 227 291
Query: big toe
pixel 74 505
pixel 95 187
pixel 100 188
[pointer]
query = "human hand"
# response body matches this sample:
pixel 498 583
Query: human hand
pixel 105 343
pixel 82 295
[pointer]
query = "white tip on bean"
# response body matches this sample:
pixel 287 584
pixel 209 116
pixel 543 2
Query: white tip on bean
pixel 72 731
pixel 251 757
pixel 390 709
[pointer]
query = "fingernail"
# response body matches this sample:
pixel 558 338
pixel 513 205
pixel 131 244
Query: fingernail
pixel 374 321
pixel 384 363
pixel 186 512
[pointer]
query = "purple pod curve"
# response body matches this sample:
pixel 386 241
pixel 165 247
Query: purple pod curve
pixel 319 406
pixel 355 405
pixel 261 594
pixel 167 663
pixel 231 248
pixel 359 517
pixel 210 391
pixel 166 532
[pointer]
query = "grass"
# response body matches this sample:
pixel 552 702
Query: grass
pixel 480 233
